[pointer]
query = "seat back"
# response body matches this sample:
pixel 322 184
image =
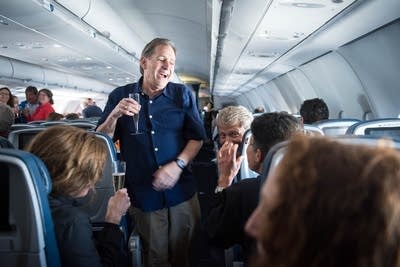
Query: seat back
pixel 21 138
pixel 380 127
pixel 272 159
pixel 310 129
pixel 19 126
pixel 86 125
pixel 369 140
pixel 27 233
pixel 89 126
pixel 277 152
pixel 334 127
pixel 96 202
pixel 4 143
pixel 245 172
pixel 53 123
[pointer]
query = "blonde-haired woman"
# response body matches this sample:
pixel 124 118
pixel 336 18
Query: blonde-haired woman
pixel 75 160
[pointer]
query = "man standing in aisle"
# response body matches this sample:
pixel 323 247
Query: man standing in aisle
pixel 161 186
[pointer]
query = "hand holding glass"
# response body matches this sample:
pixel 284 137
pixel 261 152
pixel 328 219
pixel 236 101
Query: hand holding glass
pixel 118 174
pixel 136 97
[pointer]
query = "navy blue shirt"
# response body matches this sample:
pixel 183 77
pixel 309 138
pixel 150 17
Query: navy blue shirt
pixel 167 122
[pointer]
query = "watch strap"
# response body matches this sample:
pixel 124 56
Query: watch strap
pixel 181 164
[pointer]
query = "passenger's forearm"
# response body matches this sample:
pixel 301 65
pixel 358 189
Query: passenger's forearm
pixel 190 151
pixel 108 126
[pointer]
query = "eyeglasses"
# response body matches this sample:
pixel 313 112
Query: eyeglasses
pixel 7 94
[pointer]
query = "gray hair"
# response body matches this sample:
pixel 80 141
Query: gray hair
pixel 235 115
pixel 6 117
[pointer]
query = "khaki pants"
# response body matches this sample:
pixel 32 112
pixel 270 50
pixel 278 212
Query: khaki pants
pixel 168 234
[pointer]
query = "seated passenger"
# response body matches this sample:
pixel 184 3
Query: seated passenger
pixel 233 204
pixel 329 204
pixel 75 159
pixel 6 119
pixel 232 123
pixel 72 116
pixel 6 97
pixel 91 109
pixel 313 110
pixel 45 108
pixel 54 116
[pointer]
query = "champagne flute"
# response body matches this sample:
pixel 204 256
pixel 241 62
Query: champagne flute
pixel 136 97
pixel 118 174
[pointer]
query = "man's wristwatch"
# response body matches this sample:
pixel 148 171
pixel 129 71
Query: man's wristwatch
pixel 219 189
pixel 181 164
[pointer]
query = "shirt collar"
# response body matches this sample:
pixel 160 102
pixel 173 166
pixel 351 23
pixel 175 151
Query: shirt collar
pixel 165 92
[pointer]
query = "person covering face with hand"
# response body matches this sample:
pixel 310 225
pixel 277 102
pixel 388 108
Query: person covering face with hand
pixel 232 204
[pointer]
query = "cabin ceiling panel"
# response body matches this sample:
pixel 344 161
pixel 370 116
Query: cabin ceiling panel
pixel 188 29
pixel 36 35
pixel 278 27
pixel 259 40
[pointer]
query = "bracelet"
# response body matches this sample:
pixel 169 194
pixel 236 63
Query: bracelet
pixel 181 164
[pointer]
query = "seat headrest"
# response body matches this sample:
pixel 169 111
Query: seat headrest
pixel 31 164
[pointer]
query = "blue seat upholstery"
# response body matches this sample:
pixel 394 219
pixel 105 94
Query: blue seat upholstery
pixel 334 127
pixel 27 233
pixel 380 127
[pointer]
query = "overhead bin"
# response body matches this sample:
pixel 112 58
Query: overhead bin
pixel 27 72
pixel 54 77
pixel 113 27
pixel 14 69
pixel 79 8
pixel 5 67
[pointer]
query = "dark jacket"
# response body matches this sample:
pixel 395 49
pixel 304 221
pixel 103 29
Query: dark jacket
pixel 229 212
pixel 75 239
pixel 92 111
